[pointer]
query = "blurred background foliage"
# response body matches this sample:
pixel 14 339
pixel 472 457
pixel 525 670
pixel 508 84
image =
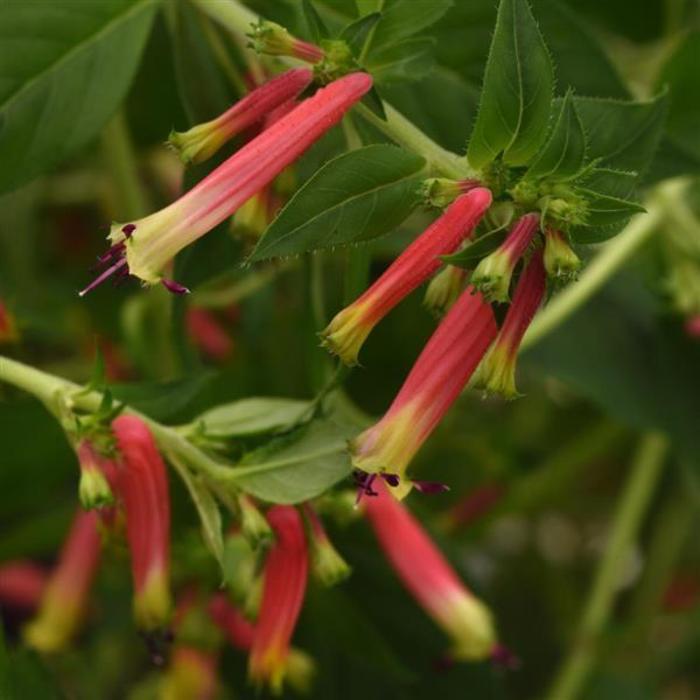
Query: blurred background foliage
pixel 534 483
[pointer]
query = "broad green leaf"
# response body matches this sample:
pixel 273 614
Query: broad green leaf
pixel 365 7
pixel 616 183
pixel 517 91
pixel 317 29
pixel 355 197
pixel 65 68
pixel 250 416
pixel 298 467
pixel 622 135
pixel 604 210
pixel 564 153
pixel 408 60
pixel 404 18
pixel 357 33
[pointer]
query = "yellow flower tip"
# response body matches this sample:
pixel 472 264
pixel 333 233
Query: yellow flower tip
pixel 54 628
pixel 269 669
pixel 346 334
pixel 198 143
pixel 471 626
pixel 492 276
pixel 301 670
pixel 497 373
pixel 443 290
pixel 153 605
pixel 94 490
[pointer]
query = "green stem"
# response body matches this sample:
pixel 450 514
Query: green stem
pixel 638 490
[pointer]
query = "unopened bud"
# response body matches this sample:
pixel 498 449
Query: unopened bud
pixel 444 289
pixel 273 39
pixel 560 261
pixel 327 565
pixel 441 192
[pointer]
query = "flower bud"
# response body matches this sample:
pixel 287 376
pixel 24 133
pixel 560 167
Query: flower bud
pixel 327 565
pixel 143 486
pixel 497 373
pixel 440 192
pixel 94 488
pixel 444 289
pixel 428 576
pixel 349 329
pixel 493 274
pixel 65 597
pixel 274 40
pixel 560 261
pixel 203 140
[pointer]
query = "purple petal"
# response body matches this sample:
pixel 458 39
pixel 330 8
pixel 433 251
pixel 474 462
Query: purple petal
pixel 430 486
pixel 175 287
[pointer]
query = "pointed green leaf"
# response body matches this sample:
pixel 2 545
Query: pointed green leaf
pixel 564 153
pixel 517 91
pixel 480 248
pixel 355 197
pixel 604 210
pixel 408 60
pixel 55 61
pixel 622 134
pixel 317 29
pixel 404 18
pixel 355 34
pixel 615 183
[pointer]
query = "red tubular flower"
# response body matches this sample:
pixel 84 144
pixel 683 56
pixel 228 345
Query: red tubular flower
pixel 348 330
pixel 429 577
pixel 436 380
pixel 22 584
pixel 285 576
pixel 64 600
pixel 144 247
pixel 497 374
pixel 143 486
pixel 232 622
pixel 202 141
pixel 493 274
pixel 208 335
pixel 8 327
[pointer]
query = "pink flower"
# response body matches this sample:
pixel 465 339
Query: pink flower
pixel 202 141
pixel 436 380
pixel 143 487
pixel 232 622
pixel 349 329
pixel 144 247
pixel 428 576
pixel 493 274
pixel 22 584
pixel 497 373
pixel 273 39
pixel 284 586
pixel 65 597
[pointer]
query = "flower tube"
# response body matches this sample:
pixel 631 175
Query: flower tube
pixel 285 575
pixel 22 584
pixel 497 373
pixel 64 599
pixel 349 329
pixel 493 274
pixel 143 487
pixel 436 380
pixel 430 579
pixel 203 140
pixel 144 247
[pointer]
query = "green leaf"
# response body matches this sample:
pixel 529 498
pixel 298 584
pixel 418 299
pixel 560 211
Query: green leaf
pixel 517 90
pixel 365 7
pixel 355 197
pixel 408 60
pixel 480 248
pixel 250 416
pixel 604 210
pixel 616 183
pixel 317 29
pixel 622 135
pixel 297 467
pixel 65 68
pixel 404 18
pixel 355 34
pixel 564 153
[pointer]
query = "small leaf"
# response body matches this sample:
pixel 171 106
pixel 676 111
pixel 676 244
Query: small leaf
pixel 250 416
pixel 297 467
pixel 317 29
pixel 54 97
pixel 404 18
pixel 355 34
pixel 563 155
pixel 407 60
pixel 355 197
pixel 480 248
pixel 622 134
pixel 517 91
pixel 373 101
pixel 604 210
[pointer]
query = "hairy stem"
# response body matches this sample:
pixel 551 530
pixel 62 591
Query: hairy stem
pixel 631 509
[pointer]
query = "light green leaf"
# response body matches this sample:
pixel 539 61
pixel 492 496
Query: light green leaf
pixel 404 18
pixel 65 67
pixel 297 467
pixel 408 60
pixel 250 416
pixel 353 198
pixel 563 155
pixel 517 90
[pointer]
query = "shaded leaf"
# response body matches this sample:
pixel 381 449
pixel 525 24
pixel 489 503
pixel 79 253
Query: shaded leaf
pixel 408 60
pixel 404 18
pixel 317 29
pixel 356 33
pixel 481 247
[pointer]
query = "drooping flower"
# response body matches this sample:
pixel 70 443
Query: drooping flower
pixel 274 40
pixel 22 584
pixel 191 675
pixel 326 562
pixel 8 326
pixel 207 333
pixel 94 488
pixel 144 247
pixel 285 575
pixel 493 274
pixel 497 373
pixel 203 140
pixel 431 580
pixel 444 289
pixel 349 329
pixel 560 261
pixel 435 381
pixel 143 487
pixel 65 597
